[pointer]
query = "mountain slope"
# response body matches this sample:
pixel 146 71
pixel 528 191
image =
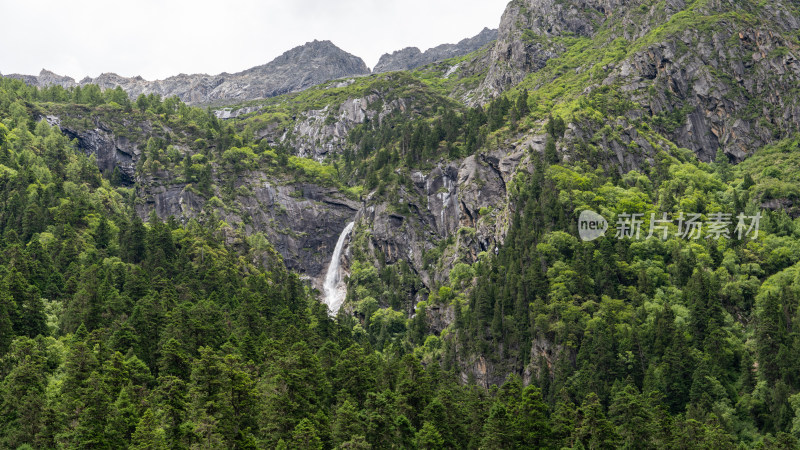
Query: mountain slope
pixel 265 178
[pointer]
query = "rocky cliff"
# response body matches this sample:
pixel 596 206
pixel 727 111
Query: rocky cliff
pixel 723 84
pixel 462 200
pixel 297 69
pixel 301 221
pixel 708 74
pixel 411 57
pixel 299 217
pixel 532 32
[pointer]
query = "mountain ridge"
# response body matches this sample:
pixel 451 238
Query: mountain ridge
pixel 318 61
pixel 297 69
pixel 412 57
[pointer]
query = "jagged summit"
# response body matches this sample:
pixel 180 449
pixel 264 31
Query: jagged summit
pixel 412 57
pixel 297 69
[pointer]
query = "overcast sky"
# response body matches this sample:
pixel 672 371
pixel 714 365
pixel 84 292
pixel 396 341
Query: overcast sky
pixel 159 38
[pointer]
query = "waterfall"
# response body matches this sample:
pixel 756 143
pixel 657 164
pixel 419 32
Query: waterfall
pixel 334 289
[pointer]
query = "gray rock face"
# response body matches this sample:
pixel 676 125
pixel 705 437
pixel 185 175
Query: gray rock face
pixel 716 88
pixel 729 88
pixel 302 221
pixel 463 199
pixel 524 43
pixel 411 57
pixel 314 133
pixel 467 200
pixel 314 136
pixel 47 78
pixel 111 151
pixel 295 70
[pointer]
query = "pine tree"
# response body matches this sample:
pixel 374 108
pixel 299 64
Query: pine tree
pixel 770 335
pixel 304 437
pixel 347 423
pixel 496 431
pixel 132 241
pixel 170 395
pixel 174 360
pixel 96 401
pixel 6 325
pixel 550 153
pixel 522 109
pixel 630 413
pixel 593 429
pixel 429 438
pixel 530 419
pixel 22 394
pixel 123 418
pixel 102 235
pixel 149 435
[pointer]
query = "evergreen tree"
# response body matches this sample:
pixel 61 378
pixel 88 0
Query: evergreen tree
pixel 550 153
pixel 304 437
pixel 149 434
pixel 428 438
pixel 593 429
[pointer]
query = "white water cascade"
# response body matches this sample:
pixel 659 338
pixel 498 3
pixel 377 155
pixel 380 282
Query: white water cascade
pixel 334 289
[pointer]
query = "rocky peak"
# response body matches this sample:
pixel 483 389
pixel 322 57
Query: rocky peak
pixel 411 57
pixel 404 59
pixel 49 78
pixel 328 56
pixel 297 69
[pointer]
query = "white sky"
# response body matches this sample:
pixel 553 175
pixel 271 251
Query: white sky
pixel 160 38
